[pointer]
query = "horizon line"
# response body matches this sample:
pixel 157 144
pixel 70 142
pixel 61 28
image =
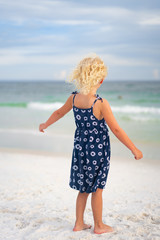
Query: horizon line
pixel 64 81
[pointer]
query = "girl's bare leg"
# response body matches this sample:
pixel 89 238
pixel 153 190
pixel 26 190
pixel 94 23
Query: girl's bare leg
pixel 80 207
pixel 97 205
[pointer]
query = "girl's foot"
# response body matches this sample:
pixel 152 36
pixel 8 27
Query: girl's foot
pixel 81 227
pixel 103 229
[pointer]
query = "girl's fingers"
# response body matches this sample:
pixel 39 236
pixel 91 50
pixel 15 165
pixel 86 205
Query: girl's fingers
pixel 41 130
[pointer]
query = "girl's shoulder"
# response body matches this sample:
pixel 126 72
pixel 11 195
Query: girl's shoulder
pixel 105 105
pixel 103 100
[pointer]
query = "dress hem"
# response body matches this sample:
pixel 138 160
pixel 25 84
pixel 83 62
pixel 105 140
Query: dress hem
pixel 87 191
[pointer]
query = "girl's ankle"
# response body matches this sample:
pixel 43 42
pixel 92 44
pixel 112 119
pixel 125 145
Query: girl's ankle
pixel 79 222
pixel 98 224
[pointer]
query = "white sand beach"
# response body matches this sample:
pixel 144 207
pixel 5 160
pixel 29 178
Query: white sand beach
pixel 36 202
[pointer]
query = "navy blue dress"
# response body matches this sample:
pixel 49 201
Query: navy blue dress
pixel 91 152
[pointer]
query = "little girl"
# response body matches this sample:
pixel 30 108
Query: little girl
pixel 91 153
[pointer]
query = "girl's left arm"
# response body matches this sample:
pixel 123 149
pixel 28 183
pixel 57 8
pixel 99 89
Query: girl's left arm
pixel 56 115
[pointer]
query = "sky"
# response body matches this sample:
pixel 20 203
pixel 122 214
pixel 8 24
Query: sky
pixel 45 40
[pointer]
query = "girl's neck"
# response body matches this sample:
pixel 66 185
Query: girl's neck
pixel 92 94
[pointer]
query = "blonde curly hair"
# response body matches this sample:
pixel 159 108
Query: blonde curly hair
pixel 88 73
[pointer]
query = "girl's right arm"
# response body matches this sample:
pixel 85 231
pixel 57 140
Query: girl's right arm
pixel 56 115
pixel 117 130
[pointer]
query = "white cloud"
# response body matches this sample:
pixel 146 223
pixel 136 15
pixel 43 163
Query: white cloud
pixel 72 13
pixel 66 13
pixel 43 39
pixel 60 75
pixel 59 32
pixel 122 61
pixel 151 21
pixel 156 74
pixel 18 56
pixel 75 22
pixel 47 12
pixel 105 28
pixel 34 55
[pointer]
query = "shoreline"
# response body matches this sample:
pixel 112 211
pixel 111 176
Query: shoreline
pixel 59 144
pixel 43 153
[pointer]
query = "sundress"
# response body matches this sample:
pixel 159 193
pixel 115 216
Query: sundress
pixel 91 152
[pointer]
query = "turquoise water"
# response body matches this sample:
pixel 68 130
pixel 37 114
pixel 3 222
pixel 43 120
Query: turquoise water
pixel 24 105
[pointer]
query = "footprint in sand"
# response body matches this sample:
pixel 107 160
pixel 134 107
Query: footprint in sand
pixel 22 224
pixel 132 218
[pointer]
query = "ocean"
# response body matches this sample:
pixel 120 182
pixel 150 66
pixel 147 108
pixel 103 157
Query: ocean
pixel 24 105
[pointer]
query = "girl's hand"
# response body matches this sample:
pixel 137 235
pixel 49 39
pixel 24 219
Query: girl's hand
pixel 42 126
pixel 137 154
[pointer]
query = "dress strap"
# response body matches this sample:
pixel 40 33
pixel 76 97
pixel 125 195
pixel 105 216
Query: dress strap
pixel 75 92
pixel 97 98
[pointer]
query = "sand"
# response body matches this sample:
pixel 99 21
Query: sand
pixel 36 202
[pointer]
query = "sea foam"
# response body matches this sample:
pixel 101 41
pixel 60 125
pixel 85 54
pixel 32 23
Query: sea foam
pixel 55 105
pixel 44 106
pixel 135 109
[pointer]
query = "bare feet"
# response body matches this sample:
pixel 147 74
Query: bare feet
pixel 81 227
pixel 103 229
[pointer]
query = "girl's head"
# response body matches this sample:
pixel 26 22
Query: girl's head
pixel 89 72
